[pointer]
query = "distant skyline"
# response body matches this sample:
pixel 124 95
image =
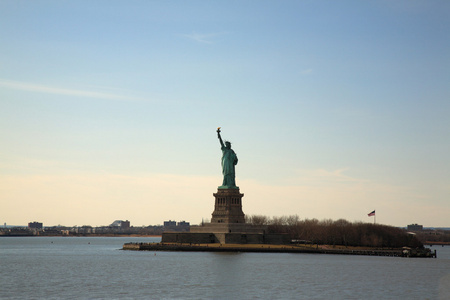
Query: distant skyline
pixel 109 110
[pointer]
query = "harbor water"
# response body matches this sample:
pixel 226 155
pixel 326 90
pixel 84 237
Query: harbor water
pixel 96 268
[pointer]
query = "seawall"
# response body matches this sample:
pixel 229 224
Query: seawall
pixel 264 248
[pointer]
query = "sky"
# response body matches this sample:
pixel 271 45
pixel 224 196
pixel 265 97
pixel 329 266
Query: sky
pixel 109 110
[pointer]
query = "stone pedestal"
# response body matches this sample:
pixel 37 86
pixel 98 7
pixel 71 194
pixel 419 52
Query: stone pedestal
pixel 228 206
pixel 227 225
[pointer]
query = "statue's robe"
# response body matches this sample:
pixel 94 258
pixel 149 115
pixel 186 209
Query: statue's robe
pixel 229 160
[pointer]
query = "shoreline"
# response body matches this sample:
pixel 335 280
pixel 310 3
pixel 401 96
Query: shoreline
pixel 436 243
pixel 266 248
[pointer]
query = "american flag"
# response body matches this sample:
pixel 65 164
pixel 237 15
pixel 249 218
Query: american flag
pixel 371 214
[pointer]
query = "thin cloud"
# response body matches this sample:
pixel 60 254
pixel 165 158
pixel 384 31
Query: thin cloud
pixel 31 87
pixel 335 175
pixel 205 38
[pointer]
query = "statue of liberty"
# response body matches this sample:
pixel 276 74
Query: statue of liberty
pixel 229 160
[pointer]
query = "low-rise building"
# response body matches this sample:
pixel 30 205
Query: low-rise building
pixel 174 226
pixel 414 227
pixel 35 225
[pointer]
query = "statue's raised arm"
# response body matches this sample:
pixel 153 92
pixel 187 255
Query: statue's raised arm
pixel 220 138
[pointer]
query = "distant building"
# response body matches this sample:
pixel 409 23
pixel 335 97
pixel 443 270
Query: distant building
pixel 125 224
pixel 35 225
pixel 85 229
pixel 184 226
pixel 170 223
pixel 415 227
pixel 121 224
pixel 174 226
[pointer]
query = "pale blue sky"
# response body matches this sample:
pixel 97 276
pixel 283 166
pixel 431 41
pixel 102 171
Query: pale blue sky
pixel 108 109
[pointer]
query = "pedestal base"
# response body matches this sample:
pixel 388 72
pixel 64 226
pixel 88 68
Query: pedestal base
pixel 228 206
pixel 228 228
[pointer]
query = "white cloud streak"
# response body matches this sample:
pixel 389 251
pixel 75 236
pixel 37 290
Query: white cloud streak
pixel 31 87
pixel 205 38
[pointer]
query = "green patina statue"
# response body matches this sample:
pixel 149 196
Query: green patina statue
pixel 229 160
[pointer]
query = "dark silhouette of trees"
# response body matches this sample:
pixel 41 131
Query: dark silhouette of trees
pixel 433 236
pixel 340 232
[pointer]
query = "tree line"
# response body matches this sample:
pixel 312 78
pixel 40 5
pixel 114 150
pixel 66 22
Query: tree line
pixel 340 232
pixel 437 236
